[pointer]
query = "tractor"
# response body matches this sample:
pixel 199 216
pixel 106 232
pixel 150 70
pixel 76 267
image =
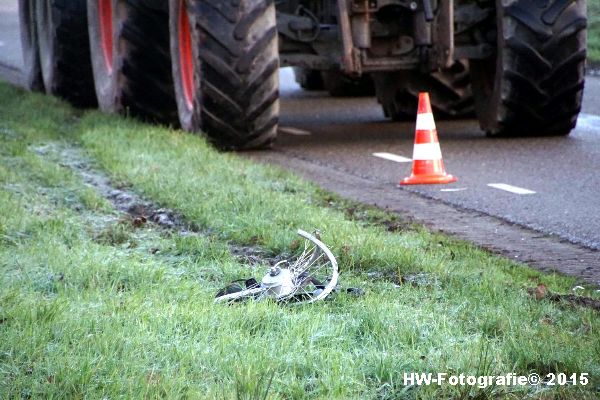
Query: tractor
pixel 211 66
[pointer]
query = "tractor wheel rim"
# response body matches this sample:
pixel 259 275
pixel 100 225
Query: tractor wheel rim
pixel 186 59
pixel 105 16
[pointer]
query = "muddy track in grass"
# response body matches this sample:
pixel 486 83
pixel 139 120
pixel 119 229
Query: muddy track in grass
pixel 142 211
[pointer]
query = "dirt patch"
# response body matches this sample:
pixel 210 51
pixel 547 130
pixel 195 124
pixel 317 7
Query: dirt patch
pixel 143 212
pixel 420 279
pixel 541 292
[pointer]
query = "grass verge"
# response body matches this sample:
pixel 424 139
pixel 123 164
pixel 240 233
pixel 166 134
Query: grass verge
pixel 93 305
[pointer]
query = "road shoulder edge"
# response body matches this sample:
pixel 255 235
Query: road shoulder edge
pixel 536 249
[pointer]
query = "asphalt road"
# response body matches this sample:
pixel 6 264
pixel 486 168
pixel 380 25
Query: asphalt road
pixel 10 44
pixel 563 172
pixel 332 141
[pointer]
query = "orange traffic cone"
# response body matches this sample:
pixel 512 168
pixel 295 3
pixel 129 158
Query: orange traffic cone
pixel 428 166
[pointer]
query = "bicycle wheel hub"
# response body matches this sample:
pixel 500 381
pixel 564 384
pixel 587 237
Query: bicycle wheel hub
pixel 279 284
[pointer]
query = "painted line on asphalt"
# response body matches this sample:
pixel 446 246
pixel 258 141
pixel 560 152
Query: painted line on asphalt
pixel 392 157
pixel 293 131
pixel 2 43
pixel 588 122
pixel 510 188
pixel 453 190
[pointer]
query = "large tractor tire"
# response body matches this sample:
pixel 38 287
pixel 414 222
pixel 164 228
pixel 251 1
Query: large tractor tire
pixel 32 69
pixel 64 51
pixel 534 84
pixel 309 79
pixel 227 76
pixel 129 42
pixel 449 90
pixel 392 93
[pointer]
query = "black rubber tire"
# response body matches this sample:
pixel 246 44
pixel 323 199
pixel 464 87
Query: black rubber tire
pixel 449 90
pixel 64 50
pixel 339 84
pixel 140 83
pixel 534 85
pixel 32 69
pixel 236 71
pixel 309 79
pixel 396 102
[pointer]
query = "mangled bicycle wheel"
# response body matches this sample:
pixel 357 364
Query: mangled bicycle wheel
pixel 311 277
pixel 314 273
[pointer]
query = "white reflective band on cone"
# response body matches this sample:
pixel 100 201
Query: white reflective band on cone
pixel 427 151
pixel 425 122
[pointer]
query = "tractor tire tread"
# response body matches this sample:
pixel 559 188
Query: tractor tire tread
pixel 72 69
pixel 543 68
pixel 239 68
pixel 145 81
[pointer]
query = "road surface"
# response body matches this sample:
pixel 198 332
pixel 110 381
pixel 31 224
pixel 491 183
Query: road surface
pixel 534 200
pixel 345 134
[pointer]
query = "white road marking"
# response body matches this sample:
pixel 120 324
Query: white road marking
pixel 453 190
pixel 510 188
pixel 392 157
pixel 588 122
pixel 2 43
pixel 293 131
